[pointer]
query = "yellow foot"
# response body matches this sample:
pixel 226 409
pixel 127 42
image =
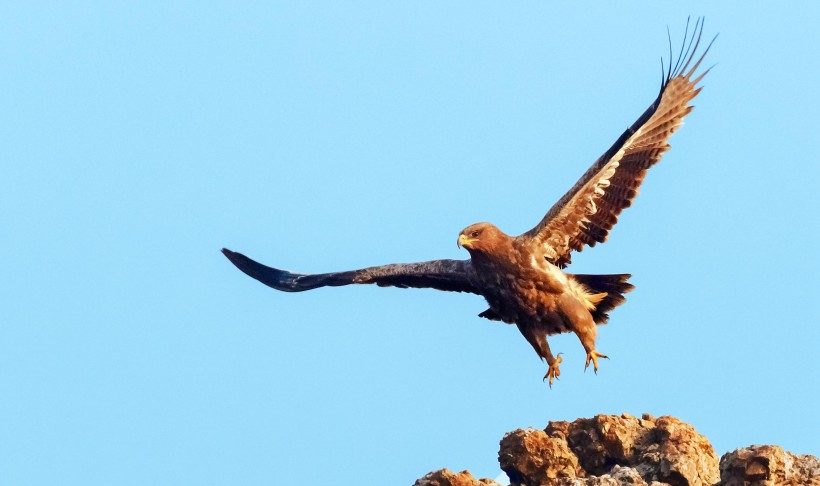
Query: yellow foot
pixel 553 372
pixel 593 356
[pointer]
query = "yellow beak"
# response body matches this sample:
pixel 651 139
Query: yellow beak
pixel 464 241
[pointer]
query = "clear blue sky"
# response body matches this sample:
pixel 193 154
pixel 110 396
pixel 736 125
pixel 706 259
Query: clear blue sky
pixel 138 138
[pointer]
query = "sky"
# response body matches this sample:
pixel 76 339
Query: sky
pixel 139 138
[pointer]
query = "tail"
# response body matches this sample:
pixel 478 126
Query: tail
pixel 613 285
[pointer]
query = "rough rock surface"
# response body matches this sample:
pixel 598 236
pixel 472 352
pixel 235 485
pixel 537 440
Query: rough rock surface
pixel 609 450
pixel 587 451
pixel 529 454
pixel 768 465
pixel 446 477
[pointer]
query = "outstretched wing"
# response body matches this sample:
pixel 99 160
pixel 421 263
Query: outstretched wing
pixel 450 275
pixel 585 214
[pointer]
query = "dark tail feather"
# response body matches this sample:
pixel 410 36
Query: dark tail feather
pixel 614 285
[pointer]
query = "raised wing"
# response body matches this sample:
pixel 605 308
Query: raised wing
pixel 450 275
pixel 585 214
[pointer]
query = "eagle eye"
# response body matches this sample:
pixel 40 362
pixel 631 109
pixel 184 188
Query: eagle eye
pixel 474 234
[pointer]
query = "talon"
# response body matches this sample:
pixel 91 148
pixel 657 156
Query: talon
pixel 554 372
pixel 593 357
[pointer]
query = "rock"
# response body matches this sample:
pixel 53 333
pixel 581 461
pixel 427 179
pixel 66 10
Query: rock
pixel 768 465
pixel 610 450
pixel 446 477
pixel 686 457
pixel 617 477
pixel 531 457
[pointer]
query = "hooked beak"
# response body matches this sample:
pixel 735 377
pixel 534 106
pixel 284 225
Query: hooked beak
pixel 464 241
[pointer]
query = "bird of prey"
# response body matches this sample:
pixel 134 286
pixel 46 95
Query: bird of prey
pixel 521 277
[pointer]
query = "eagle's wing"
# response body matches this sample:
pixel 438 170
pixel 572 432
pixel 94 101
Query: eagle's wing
pixel 585 214
pixel 450 275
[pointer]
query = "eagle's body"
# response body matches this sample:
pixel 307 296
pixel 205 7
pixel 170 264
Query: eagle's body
pixel 523 288
pixel 521 277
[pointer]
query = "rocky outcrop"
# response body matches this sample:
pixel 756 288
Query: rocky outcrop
pixel 587 451
pixel 768 466
pixel 616 450
pixel 446 477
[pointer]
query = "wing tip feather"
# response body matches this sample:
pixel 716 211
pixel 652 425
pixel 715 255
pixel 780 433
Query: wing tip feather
pixel 230 255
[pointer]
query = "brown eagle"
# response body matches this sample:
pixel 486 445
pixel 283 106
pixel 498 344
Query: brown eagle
pixel 521 276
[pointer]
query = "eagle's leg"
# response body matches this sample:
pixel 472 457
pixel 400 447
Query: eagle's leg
pixel 593 356
pixel 589 345
pixel 538 339
pixel 553 371
pixel 581 322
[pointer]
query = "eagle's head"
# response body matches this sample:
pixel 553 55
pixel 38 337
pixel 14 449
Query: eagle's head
pixel 481 238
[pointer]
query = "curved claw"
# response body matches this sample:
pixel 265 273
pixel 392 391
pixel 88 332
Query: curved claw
pixel 592 356
pixel 553 372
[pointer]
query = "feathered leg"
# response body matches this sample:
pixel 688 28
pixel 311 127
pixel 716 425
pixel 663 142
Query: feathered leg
pixel 581 322
pixel 538 339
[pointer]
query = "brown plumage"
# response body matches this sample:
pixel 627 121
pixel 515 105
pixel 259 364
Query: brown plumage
pixel 521 277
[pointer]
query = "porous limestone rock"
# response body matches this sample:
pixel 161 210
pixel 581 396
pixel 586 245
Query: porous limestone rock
pixel 613 450
pixel 588 451
pixel 531 457
pixel 446 477
pixel 767 465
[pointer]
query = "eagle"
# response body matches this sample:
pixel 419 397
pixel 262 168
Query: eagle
pixel 522 277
